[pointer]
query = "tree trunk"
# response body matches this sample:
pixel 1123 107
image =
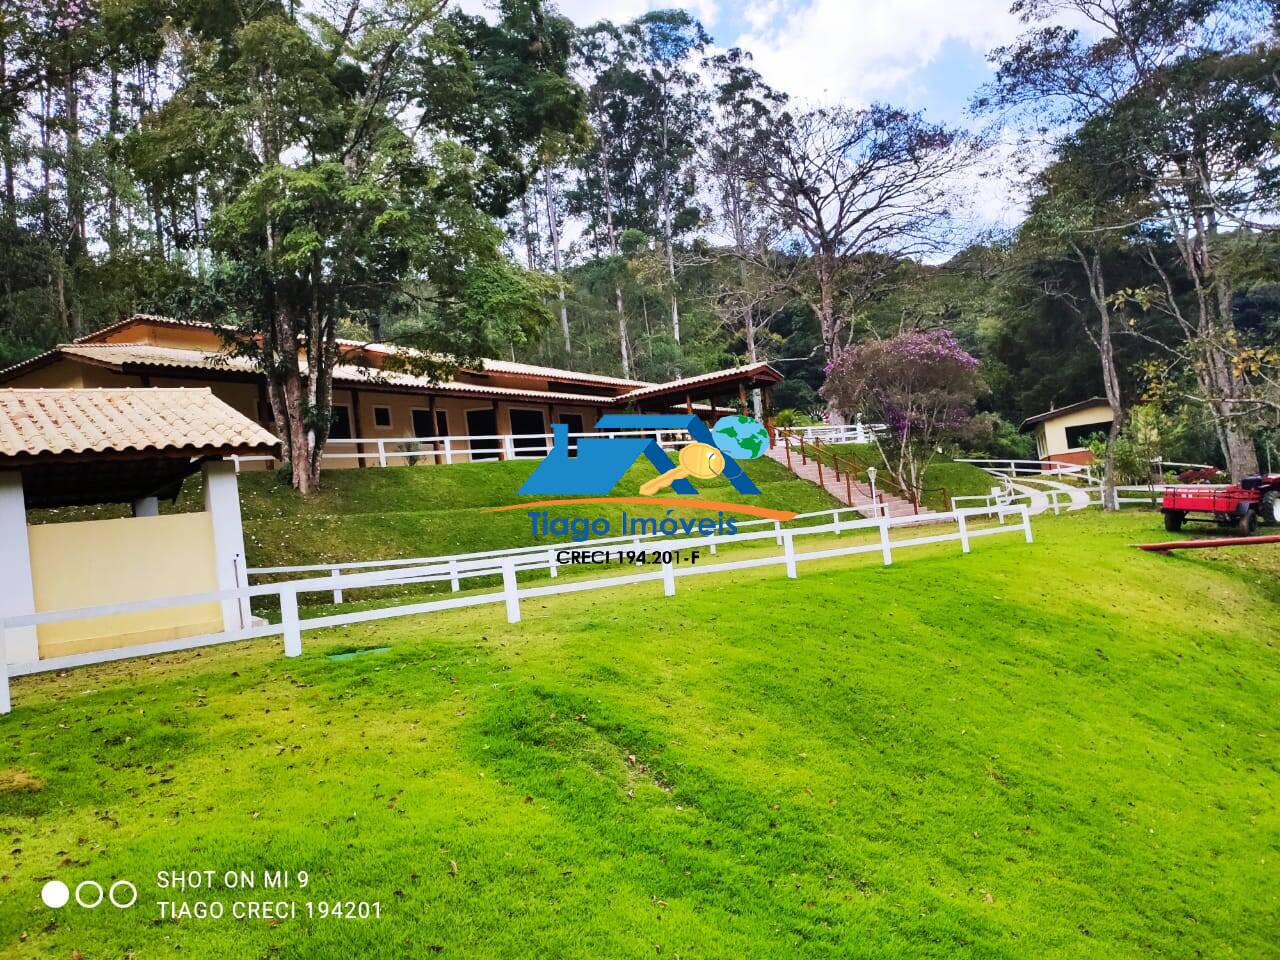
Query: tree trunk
pixel 666 222
pixel 553 226
pixel 6 153
pixel 624 345
pixel 113 129
pixel 1110 375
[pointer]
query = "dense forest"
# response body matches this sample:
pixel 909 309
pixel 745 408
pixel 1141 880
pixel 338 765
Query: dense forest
pixel 631 198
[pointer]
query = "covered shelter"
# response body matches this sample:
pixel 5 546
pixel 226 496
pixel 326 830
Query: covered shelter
pixel 81 447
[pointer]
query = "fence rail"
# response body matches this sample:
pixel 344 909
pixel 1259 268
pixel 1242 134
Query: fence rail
pixel 858 432
pixel 410 451
pixel 291 626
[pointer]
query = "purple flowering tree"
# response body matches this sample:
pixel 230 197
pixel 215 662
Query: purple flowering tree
pixel 922 385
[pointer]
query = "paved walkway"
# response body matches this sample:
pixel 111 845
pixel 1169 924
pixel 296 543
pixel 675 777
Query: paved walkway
pixel 894 506
pixel 1079 497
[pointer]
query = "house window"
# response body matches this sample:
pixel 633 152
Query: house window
pixel 442 423
pixel 382 416
pixel 1078 437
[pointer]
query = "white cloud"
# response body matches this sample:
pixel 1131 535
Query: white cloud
pixel 864 50
pixel 583 12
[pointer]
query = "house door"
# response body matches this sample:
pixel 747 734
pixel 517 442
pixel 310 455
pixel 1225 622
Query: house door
pixel 529 422
pixel 483 423
pixel 422 425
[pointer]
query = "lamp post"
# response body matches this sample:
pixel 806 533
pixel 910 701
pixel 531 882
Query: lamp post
pixel 871 478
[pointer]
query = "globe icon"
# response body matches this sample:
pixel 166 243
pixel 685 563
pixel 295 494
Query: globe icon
pixel 742 438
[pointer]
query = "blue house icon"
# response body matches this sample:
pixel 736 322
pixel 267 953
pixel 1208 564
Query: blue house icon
pixel 601 461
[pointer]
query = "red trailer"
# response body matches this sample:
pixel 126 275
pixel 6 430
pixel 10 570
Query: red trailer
pixel 1239 506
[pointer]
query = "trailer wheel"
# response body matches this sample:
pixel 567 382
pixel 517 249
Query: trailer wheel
pixel 1247 523
pixel 1173 520
pixel 1269 508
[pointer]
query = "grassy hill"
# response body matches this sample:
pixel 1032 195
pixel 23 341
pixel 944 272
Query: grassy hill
pixel 1057 751
pixel 434 511
pixel 944 478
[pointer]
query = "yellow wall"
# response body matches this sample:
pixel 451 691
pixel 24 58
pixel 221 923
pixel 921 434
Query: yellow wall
pixel 1051 435
pixel 96 562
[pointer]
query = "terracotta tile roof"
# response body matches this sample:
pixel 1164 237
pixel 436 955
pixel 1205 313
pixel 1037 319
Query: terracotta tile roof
pixel 555 373
pixel 151 355
pixel 383 379
pixel 53 423
pixel 492 366
pixel 703 379
pixel 144 318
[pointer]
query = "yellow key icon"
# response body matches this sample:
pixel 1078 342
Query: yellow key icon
pixel 699 460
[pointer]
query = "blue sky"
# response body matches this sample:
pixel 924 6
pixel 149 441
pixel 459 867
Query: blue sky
pixel 921 54
pixel 925 55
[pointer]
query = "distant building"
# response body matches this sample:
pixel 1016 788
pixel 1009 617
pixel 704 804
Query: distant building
pixel 1061 434
pixel 502 409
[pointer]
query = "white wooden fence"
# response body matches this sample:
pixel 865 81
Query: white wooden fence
pixel 291 626
pixel 858 432
pixel 532 554
pixel 411 451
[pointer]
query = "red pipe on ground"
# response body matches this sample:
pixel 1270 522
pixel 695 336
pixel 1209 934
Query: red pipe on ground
pixel 1204 544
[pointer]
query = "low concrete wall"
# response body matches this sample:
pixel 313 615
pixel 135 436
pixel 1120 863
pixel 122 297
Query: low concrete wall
pixel 96 562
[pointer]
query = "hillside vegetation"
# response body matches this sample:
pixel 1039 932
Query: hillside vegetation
pixel 436 511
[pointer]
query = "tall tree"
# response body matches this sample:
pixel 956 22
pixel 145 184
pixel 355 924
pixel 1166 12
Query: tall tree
pixel 861 189
pixel 666 44
pixel 342 195
pixel 1181 97
pixel 759 277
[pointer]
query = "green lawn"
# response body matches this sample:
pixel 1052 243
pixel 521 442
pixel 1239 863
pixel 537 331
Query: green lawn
pixel 1067 750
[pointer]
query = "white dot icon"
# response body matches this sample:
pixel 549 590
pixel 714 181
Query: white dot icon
pixel 55 894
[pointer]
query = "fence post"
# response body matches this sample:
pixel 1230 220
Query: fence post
pixel 454 584
pixel 512 591
pixel 777 530
pixel 382 453
pixel 448 451
pixel 1026 523
pixel 964 532
pixel 337 591
pixel 5 703
pixel 235 460
pixel 289 621
pixel 835 521
pixel 885 549
pixel 552 569
pixel 668 579
pixel 509 447
pixel 789 551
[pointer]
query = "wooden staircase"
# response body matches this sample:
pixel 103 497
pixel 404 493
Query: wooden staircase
pixel 842 485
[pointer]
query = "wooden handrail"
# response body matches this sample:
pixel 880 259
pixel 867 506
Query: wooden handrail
pixel 851 468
